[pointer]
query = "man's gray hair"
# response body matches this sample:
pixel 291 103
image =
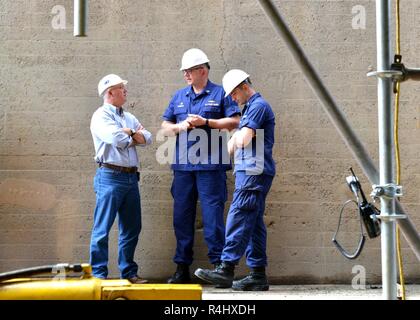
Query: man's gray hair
pixel 105 93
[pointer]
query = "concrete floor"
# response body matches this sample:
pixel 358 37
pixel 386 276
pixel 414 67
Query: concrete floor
pixel 306 292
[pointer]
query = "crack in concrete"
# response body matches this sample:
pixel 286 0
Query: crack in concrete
pixel 222 37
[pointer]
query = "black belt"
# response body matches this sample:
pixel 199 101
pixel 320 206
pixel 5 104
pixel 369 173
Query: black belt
pixel 118 168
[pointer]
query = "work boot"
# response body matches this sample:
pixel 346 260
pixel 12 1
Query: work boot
pixel 181 275
pixel 255 281
pixel 221 276
pixel 217 265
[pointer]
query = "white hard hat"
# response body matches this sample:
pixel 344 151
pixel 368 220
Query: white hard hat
pixel 109 81
pixel 193 57
pixel 232 79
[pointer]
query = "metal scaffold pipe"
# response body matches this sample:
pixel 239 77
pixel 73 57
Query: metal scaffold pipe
pixel 336 116
pixel 386 154
pixel 330 106
pixel 80 18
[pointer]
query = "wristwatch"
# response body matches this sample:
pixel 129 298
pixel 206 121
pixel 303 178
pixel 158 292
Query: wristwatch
pixel 207 122
pixel 133 132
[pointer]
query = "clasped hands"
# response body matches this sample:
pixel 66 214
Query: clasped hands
pixel 192 121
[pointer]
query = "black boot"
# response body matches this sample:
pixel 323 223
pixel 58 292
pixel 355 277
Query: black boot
pixel 181 275
pixel 221 276
pixel 255 281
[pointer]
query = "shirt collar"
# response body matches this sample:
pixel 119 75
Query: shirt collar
pixel 253 97
pixel 114 109
pixel 251 100
pixel 206 90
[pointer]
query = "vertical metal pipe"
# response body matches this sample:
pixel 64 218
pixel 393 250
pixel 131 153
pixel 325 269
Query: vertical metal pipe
pixel 386 150
pixel 80 18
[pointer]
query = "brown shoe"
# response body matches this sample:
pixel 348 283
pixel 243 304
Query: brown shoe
pixel 137 280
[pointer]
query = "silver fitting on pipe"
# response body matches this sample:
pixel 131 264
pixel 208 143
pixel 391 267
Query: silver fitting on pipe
pixel 388 191
pixel 386 74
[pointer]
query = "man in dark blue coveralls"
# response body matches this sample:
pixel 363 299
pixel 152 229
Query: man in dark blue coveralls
pixel 196 114
pixel 254 172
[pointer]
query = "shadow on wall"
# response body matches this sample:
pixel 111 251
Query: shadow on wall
pixel 28 194
pixel 39 226
pixel 28 212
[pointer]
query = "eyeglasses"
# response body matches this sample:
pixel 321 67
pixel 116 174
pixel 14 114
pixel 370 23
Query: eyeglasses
pixel 190 70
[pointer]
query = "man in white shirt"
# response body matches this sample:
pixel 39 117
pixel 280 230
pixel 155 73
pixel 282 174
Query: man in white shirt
pixel 116 133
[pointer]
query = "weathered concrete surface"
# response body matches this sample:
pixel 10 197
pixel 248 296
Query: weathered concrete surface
pixel 48 91
pixel 307 292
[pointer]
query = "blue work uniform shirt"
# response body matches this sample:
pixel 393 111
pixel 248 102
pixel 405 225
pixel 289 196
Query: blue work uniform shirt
pixel 257 157
pixel 201 148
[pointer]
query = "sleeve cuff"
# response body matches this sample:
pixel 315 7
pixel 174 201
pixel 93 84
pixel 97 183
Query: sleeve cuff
pixel 233 113
pixel 147 136
pixel 168 119
pixel 250 124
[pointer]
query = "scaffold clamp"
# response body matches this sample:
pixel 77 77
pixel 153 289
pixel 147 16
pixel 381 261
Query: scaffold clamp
pixel 390 191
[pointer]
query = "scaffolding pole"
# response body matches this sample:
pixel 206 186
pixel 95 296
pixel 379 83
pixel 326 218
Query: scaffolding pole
pixel 386 151
pixel 337 117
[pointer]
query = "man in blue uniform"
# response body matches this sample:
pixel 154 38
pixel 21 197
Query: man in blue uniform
pixel 116 133
pixel 196 114
pixel 254 172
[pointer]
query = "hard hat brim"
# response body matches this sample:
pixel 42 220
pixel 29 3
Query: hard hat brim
pixel 191 66
pixel 124 82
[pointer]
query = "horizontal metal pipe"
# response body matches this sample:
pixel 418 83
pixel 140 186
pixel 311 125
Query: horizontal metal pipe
pixel 336 116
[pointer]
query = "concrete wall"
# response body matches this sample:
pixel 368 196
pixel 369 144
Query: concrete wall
pixel 48 94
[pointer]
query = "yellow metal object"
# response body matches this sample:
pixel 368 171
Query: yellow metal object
pixel 153 292
pixel 16 285
pixel 54 289
pixel 397 145
pixel 94 289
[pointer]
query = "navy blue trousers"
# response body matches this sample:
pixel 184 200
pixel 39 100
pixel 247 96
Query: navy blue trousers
pixel 210 188
pixel 245 229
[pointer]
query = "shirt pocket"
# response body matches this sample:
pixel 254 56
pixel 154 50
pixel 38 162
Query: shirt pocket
pixel 180 113
pixel 211 112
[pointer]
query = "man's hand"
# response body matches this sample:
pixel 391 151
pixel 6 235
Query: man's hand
pixel 196 120
pixel 240 139
pixel 127 131
pixel 232 144
pixel 138 137
pixel 171 129
pixel 185 125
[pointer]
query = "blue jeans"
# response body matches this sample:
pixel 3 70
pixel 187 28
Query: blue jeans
pixel 116 192
pixel 210 188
